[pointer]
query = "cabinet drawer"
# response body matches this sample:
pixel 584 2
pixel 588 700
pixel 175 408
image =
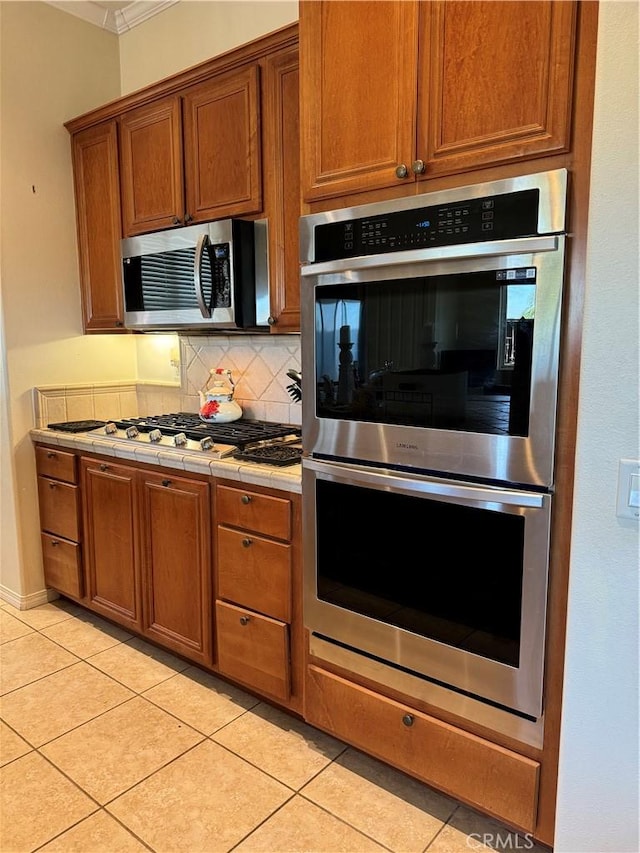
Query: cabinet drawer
pixel 264 514
pixel 58 508
pixel 490 777
pixel 254 572
pixel 62 565
pixel 56 464
pixel 253 649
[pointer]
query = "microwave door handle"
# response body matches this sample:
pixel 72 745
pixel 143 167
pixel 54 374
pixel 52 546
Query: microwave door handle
pixel 203 242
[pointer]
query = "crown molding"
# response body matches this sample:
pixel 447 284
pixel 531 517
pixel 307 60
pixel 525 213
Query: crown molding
pixel 115 21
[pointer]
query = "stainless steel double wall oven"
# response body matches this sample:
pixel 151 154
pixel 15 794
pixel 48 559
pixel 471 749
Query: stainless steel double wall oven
pixel 430 349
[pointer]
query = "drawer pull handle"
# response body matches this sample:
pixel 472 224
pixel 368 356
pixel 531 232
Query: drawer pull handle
pixel 51 455
pixel 246 499
pixel 244 620
pixel 55 542
pixel 246 542
pixel 408 719
pixel 52 485
pixel 166 482
pixel 104 467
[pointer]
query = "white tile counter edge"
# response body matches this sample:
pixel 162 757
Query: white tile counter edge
pixel 288 479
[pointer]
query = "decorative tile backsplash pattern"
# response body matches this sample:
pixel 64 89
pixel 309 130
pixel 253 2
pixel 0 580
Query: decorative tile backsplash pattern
pixel 258 365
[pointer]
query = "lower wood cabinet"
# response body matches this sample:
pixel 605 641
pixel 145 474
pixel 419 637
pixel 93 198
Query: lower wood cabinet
pixel 254 649
pixel 109 498
pixel 60 521
pixel 470 768
pixel 256 575
pixel 176 564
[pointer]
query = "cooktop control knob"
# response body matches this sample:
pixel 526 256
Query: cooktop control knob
pixel 132 432
pixel 206 443
pixel 180 439
pixel 155 435
pixel 110 428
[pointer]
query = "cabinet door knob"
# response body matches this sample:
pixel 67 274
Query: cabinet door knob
pixel 402 171
pixel 246 499
pixel 246 543
pixel 418 167
pixel 188 218
pixel 54 542
pixel 51 455
pixel 244 620
pixel 176 220
pixel 52 485
pixel 104 467
pixel 408 719
pixel 166 482
pixel 119 323
pixel 271 320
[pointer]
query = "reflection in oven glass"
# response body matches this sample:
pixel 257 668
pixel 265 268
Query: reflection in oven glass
pixel 447 572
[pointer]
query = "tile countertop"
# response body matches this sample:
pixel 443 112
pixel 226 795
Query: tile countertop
pixel 287 478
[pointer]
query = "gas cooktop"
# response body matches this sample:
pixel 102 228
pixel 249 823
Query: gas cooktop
pixel 252 440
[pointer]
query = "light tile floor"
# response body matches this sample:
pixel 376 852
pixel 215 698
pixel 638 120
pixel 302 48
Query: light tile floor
pixel 110 745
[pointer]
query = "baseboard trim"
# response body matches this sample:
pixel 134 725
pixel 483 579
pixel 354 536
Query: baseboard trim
pixel 26 602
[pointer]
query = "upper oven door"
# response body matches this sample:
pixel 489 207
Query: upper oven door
pixel 441 359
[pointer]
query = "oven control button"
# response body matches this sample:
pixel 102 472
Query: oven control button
pixel 180 439
pixel 132 432
pixel 155 435
pixel 110 428
pixel 206 443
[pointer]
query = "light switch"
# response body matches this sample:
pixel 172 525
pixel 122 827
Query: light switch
pixel 628 504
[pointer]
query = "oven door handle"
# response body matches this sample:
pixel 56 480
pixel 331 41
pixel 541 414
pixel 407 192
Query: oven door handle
pixel 525 245
pixel 424 486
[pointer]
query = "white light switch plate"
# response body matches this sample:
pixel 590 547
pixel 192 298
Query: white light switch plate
pixel 628 503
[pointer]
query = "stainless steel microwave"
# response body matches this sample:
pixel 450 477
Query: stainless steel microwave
pixel 207 277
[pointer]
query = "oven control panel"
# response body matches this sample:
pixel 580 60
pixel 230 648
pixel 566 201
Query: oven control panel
pixel 499 217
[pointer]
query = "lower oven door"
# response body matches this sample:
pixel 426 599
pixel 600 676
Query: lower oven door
pixel 443 580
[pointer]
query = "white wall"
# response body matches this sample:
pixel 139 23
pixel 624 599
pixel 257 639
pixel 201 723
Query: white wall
pixel 598 782
pixel 53 66
pixel 193 31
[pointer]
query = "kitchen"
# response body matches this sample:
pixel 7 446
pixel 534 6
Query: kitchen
pixel 52 350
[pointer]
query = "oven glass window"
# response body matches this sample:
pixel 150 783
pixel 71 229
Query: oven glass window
pixel 450 352
pixel 449 572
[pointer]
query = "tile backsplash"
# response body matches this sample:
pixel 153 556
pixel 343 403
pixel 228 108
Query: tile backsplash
pixel 258 365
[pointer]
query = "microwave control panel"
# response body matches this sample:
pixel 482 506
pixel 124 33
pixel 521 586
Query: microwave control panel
pixel 499 217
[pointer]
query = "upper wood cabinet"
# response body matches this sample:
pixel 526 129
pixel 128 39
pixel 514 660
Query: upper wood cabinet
pixel 281 164
pixel 214 129
pixel 151 171
pixel 222 151
pixel 97 193
pixel 416 90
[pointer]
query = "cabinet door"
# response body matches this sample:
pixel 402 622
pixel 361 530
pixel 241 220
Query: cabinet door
pixel 151 167
pixel 109 496
pixel 223 173
pixel 97 192
pixel 357 94
pixel 494 83
pixel 282 187
pixel 177 564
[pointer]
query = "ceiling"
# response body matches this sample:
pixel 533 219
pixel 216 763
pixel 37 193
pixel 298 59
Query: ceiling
pixel 117 16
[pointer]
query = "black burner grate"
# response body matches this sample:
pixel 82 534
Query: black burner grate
pixel 273 454
pixel 241 433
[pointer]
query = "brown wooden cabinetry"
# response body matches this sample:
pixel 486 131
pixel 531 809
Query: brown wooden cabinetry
pixel 176 563
pixel 97 193
pixel 58 500
pixel 281 166
pixel 218 140
pixel 109 499
pixel 487 776
pixel 254 588
pixel 429 89
pixel 151 170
